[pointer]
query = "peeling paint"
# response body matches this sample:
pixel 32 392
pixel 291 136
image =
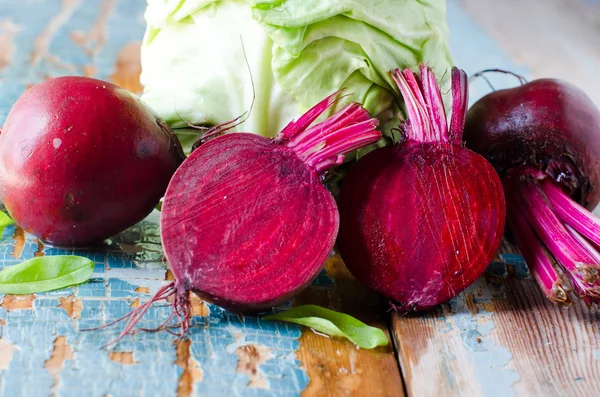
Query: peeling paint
pixel 250 357
pixel 18 302
pixel 62 352
pixel 199 307
pixel 130 248
pixel 128 68
pixel 470 303
pixel 123 358
pixel 169 275
pixel 8 31
pixel 192 373
pixel 19 238
pixel 142 290
pixel 40 248
pixel 71 305
pixel 6 353
pixel 42 41
pixel 490 361
pixel 94 40
pixel 135 304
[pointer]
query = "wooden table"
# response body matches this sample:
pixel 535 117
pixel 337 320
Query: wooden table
pixel 498 338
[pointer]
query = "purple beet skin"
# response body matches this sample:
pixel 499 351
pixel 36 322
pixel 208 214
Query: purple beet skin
pixel 82 159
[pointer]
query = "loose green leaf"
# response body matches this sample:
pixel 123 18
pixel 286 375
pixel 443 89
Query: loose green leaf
pixel 5 220
pixel 45 273
pixel 334 324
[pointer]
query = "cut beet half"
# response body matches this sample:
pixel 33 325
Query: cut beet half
pixel 246 222
pixel 421 220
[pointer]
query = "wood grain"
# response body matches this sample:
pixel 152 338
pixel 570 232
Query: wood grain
pixel 553 38
pixel 526 345
pixel 335 366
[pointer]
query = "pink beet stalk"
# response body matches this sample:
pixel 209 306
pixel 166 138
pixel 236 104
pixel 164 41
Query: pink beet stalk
pixel 535 254
pixel 572 213
pixel 576 259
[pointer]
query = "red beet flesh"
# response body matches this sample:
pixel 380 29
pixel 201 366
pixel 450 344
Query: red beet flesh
pixel 246 221
pixel 544 139
pixel 82 159
pixel 420 221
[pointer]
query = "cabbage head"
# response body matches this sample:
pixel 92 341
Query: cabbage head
pixel 207 62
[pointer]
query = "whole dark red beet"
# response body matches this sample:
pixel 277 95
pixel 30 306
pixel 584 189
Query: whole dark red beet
pixel 548 123
pixel 82 159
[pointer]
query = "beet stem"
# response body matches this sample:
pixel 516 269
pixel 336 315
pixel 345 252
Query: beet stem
pixel 311 136
pixel 574 258
pixel 295 127
pixel 535 255
pixel 572 213
pixel 427 121
pixel 418 127
pixel 323 145
pixel 460 102
pixel 482 73
pixel 433 99
pixel 343 141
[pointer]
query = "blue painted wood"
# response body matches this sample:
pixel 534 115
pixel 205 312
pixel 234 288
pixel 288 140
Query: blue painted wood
pixel 118 274
pixel 105 298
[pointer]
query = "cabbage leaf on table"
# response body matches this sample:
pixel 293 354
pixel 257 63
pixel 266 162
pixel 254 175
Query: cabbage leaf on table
pixel 297 52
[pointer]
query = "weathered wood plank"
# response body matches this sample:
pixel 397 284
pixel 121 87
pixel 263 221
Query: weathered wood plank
pixel 501 337
pixel 336 367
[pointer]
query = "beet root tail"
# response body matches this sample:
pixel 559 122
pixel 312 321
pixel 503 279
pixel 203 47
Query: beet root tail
pixel 180 309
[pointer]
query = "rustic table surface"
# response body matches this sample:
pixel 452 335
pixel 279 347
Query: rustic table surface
pixel 498 338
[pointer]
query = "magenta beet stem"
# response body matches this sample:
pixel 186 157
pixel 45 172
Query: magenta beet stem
pixel 572 213
pixel 323 145
pixel 427 120
pixel 460 104
pixel 535 254
pixel 575 259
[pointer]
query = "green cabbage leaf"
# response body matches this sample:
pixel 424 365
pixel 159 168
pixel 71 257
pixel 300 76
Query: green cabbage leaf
pixel 205 62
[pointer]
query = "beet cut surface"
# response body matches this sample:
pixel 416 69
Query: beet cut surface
pixel 421 220
pixel 246 221
pixel 249 208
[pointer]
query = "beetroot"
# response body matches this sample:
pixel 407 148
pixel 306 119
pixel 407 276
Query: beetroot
pixel 421 220
pixel 547 123
pixel 246 222
pixel 82 159
pixel 543 137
